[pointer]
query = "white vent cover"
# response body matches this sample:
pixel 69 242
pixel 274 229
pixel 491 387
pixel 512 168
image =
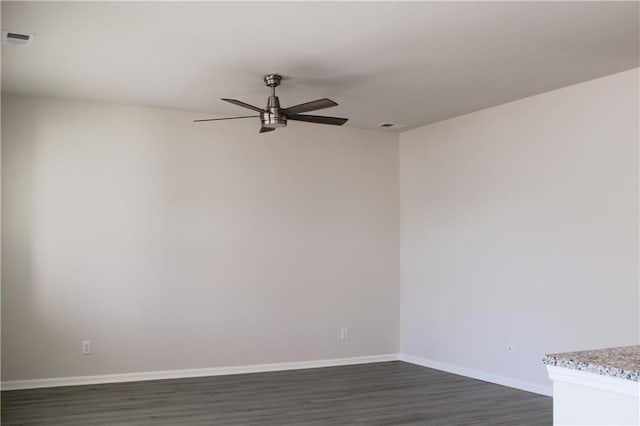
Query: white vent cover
pixel 17 39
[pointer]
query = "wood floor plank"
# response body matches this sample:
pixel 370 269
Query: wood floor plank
pixel 389 393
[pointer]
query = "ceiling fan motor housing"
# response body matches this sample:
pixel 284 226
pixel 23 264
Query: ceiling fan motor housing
pixel 273 119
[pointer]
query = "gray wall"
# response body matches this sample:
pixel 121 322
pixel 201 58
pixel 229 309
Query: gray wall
pixel 174 245
pixel 519 226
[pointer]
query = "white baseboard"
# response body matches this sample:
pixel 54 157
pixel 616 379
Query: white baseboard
pixel 282 366
pixel 196 372
pixel 480 375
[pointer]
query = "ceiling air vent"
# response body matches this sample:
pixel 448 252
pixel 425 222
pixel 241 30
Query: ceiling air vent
pixel 388 125
pixel 17 39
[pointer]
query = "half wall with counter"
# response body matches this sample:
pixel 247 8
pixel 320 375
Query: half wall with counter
pixel 596 387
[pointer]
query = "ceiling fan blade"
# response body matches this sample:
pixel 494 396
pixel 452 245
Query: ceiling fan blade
pixel 310 106
pixel 227 118
pixel 243 104
pixel 266 129
pixel 336 121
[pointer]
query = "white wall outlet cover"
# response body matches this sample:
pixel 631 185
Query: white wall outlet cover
pixel 344 334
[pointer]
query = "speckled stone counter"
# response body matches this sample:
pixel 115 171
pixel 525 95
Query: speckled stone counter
pixel 622 362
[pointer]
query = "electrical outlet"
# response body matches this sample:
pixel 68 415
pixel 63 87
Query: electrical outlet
pixel 344 334
pixel 86 347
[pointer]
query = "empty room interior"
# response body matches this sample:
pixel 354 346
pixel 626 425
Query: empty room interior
pixel 320 213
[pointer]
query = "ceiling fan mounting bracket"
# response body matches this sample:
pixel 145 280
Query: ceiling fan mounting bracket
pixel 272 80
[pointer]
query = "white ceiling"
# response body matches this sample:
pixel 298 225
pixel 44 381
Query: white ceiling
pixel 409 63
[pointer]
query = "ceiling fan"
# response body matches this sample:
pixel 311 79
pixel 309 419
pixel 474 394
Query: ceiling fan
pixel 273 116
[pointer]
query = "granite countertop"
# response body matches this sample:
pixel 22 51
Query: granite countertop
pixel 622 362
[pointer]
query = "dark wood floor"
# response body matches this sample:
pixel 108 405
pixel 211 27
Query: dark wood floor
pixel 389 393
